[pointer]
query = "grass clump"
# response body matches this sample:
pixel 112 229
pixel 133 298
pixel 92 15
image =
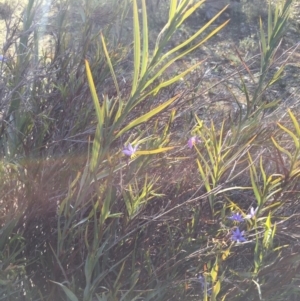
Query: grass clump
pixel 115 187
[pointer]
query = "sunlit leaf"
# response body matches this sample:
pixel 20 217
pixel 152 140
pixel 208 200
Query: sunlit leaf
pixel 216 288
pixel 99 113
pixel 214 271
pixel 225 254
pixel 110 66
pixel 136 47
pixel 295 138
pixel 175 78
pixel 146 116
pixel 295 122
pixel 281 149
pixel 145 40
pixel 95 150
pixel 154 151
pixel 172 10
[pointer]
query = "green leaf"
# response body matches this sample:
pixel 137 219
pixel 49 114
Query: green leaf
pixel 95 150
pixel 295 172
pixel 175 78
pixel 216 288
pixel 268 232
pixel 146 116
pixel 281 149
pixel 225 254
pixel 295 122
pixel 137 47
pixel 99 113
pixel 110 66
pixel 170 27
pixel 106 173
pixel 270 23
pixel 271 104
pixel 67 291
pixel 172 10
pixel 214 271
pixel 294 137
pixel 255 188
pixel 204 175
pixel 268 221
pixel 262 38
pixel 192 9
pixel 195 35
pixel 154 151
pixel 262 171
pixel 276 76
pixel 145 40
pixel 105 210
pixel 160 72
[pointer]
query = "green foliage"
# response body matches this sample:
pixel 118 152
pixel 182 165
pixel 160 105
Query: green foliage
pixel 81 219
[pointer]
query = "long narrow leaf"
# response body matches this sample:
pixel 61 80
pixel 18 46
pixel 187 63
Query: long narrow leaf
pixel 255 188
pixel 99 115
pixel 281 149
pixel 95 150
pixel 293 136
pixel 262 39
pixel 110 66
pixel 146 116
pixel 67 291
pixel 175 78
pixel 154 151
pixel 145 40
pixel 172 10
pixel 295 122
pixel 192 9
pixel 158 73
pixel 193 37
pixel 270 24
pixel 137 47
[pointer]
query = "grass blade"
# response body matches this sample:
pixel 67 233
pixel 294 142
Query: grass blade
pixel 145 40
pixel 146 116
pixel 137 47
pixel 110 66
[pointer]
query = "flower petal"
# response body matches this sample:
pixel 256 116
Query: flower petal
pixel 130 148
pixel 126 152
pixel 192 141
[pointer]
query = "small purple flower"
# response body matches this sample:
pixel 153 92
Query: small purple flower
pixel 202 282
pixel 192 141
pixel 237 235
pixel 3 58
pixel 236 217
pixel 252 213
pixel 129 150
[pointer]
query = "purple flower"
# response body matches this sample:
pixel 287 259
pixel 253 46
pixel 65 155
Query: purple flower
pixel 192 141
pixel 252 213
pixel 236 217
pixel 237 235
pixel 202 282
pixel 129 150
pixel 3 58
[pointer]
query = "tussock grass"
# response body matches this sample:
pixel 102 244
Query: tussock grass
pixel 83 220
